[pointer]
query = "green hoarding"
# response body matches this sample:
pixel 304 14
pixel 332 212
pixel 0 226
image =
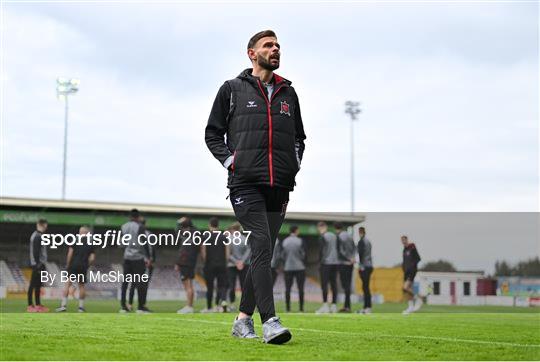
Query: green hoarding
pixel 102 219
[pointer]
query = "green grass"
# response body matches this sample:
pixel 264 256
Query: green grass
pixel 435 333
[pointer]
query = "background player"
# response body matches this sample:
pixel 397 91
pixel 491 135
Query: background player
pixel 79 258
pixel 237 264
pixel 215 266
pixel 329 266
pixel 187 260
pixel 136 260
pixel 346 254
pixel 365 268
pixel 148 271
pixel 38 258
pixel 294 257
pixel 411 258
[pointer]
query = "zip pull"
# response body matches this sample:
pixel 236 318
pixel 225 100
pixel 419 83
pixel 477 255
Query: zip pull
pixel 228 196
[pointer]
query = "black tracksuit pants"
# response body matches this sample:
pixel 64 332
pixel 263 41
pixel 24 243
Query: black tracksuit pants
pixel 329 275
pixel 274 276
pixel 300 276
pixel 345 276
pixel 135 267
pixel 211 273
pixel 365 275
pixel 146 285
pixel 35 285
pixel 261 210
pixel 233 273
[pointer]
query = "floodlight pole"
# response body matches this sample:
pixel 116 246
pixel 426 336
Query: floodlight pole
pixel 65 87
pixel 352 166
pixel 352 109
pixel 65 148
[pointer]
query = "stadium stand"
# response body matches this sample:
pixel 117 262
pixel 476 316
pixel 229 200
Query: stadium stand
pixel 6 277
pixel 18 276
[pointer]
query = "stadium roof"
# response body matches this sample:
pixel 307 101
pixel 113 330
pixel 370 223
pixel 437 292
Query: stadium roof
pixel 71 213
pixel 7 202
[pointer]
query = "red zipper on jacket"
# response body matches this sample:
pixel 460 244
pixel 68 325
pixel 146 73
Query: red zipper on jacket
pixel 270 136
pixel 233 159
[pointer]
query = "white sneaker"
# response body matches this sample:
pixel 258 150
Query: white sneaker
pixel 407 311
pixel 333 308
pixel 367 311
pixel 61 309
pixel 206 310
pixel 418 304
pixel 323 309
pixel 186 310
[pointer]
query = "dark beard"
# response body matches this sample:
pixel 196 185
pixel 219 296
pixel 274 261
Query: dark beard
pixel 267 65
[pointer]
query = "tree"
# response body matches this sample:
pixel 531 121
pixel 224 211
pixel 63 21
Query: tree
pixel 439 266
pixel 528 268
pixel 503 269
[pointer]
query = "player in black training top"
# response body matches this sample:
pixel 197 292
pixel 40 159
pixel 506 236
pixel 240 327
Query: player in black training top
pixel 79 258
pixel 411 258
pixel 215 258
pixel 38 258
pixel 149 270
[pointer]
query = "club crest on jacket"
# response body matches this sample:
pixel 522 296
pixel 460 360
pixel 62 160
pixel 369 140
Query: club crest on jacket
pixel 285 108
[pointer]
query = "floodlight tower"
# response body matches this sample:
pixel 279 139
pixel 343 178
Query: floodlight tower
pixel 65 87
pixel 352 109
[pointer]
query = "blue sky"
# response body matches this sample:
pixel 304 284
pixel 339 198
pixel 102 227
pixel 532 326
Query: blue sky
pixel 449 93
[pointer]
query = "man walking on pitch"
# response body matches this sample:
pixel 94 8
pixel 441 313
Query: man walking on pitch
pixel 329 267
pixel 411 258
pixel 365 267
pixel 79 258
pixel 345 246
pixel 38 258
pixel 294 257
pixel 255 131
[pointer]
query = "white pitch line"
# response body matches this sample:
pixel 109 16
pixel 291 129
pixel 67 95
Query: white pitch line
pixel 445 339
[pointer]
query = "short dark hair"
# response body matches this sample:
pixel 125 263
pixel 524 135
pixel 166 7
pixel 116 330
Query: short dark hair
pixel 42 221
pixel 185 222
pixel 261 34
pixel 362 229
pixel 338 225
pixel 321 224
pixel 134 213
pixel 293 229
pixel 213 222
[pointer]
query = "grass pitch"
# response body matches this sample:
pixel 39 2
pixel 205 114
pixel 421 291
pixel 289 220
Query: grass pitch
pixel 435 333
